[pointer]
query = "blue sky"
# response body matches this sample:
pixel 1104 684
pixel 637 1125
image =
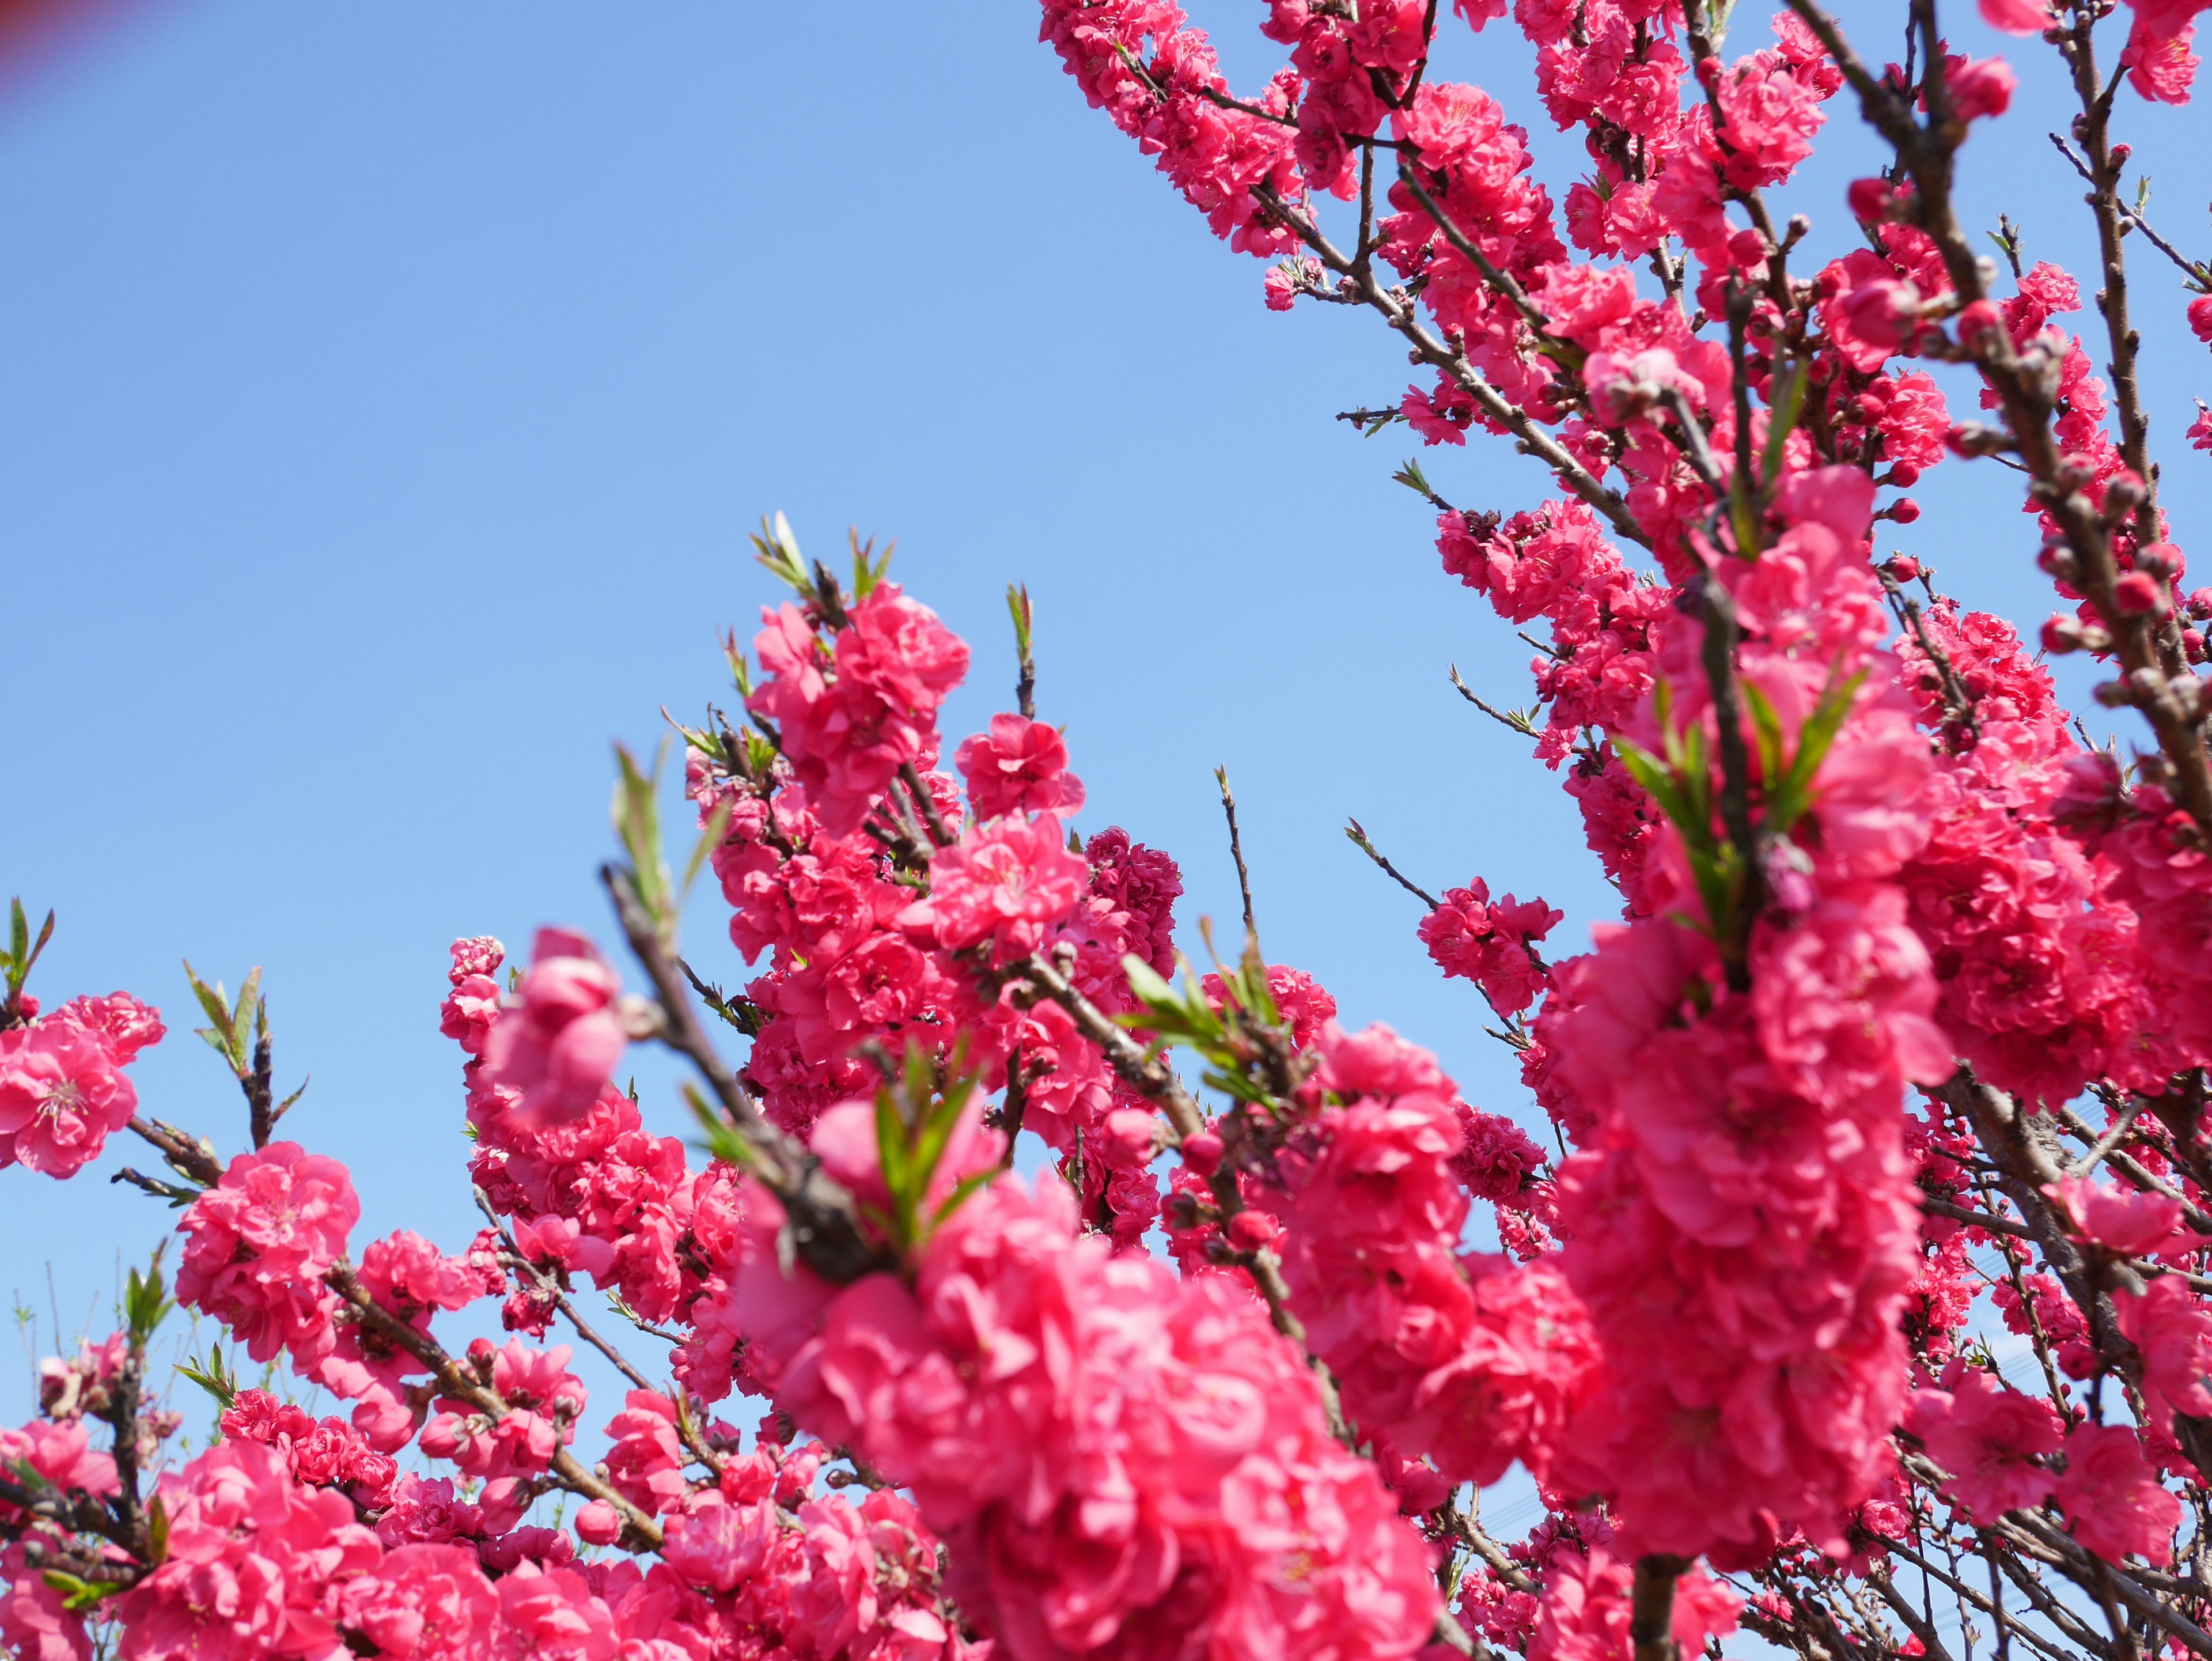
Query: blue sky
pixel 385 393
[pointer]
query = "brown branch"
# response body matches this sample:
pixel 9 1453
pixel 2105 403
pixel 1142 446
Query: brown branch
pixel 1397 310
pixel 183 1152
pixel 1651 1608
pixel 822 1222
pixel 641 1529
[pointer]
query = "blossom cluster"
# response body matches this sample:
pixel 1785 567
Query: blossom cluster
pixel 1880 1221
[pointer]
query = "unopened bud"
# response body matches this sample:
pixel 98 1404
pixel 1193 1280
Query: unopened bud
pixel 1902 567
pixel 2157 559
pixel 1903 511
pixel 1870 199
pixel 2124 488
pixel 1904 475
pixel 2057 560
pixel 2114 694
pixel 2137 595
pixel 2062 634
pixel 1203 1153
pixel 1248 1230
pixel 2073 472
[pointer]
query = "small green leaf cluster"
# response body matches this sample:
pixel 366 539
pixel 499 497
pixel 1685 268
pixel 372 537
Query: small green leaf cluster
pixel 16 963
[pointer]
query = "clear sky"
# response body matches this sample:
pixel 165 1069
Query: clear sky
pixel 385 393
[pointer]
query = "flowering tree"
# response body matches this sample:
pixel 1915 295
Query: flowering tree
pixel 1910 1002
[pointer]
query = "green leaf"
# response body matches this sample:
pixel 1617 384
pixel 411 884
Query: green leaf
pixel 1785 399
pixel 145 1302
pixel 777 551
pixel 722 1140
pixel 1768 727
pixel 710 838
pixel 217 1002
pixel 1789 802
pixel 637 815
pixel 213 1377
pixel 1145 981
pixel 157 1529
pixel 78 1596
pixel 1413 478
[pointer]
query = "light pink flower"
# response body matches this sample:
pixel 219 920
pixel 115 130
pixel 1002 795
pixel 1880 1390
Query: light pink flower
pixel 62 1095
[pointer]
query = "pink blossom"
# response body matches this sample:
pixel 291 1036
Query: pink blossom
pixel 716 1545
pixel 62 1095
pixel 2123 1220
pixel 556 1051
pixel 62 1455
pixel 1020 766
pixel 554 1613
pixel 1585 1615
pixel 851 716
pixel 2173 1331
pixel 646 1460
pixel 257 1244
pixel 127 1025
pixel 1988 1438
pixel 1491 943
pixel 544 1399
pixel 1981 87
pixel 425 1600
pixel 1005 883
pixel 33 1622
pixel 2016 16
pixel 250 1553
pixel 2112 1499
pixel 1872 318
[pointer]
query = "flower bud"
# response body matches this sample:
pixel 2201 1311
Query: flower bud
pixel 1203 1153
pixel 2056 560
pixel 2124 488
pixel 1870 199
pixel 1131 1136
pixel 2160 560
pixel 1904 475
pixel 1248 1230
pixel 1903 511
pixel 2137 595
pixel 2114 694
pixel 1976 320
pixel 599 1523
pixel 2199 605
pixel 2192 645
pixel 1903 567
pixel 2061 635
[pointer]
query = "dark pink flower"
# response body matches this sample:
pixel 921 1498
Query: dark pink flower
pixel 556 1051
pixel 1988 1438
pixel 2111 1497
pixel 1005 883
pixel 257 1244
pixel 1020 766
